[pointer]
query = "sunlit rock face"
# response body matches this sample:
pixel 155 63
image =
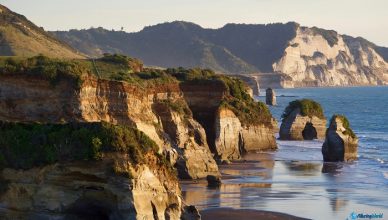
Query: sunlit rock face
pixel 311 60
pixel 90 190
pixel 298 127
pixel 30 99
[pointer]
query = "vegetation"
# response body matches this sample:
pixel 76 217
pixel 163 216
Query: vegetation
pixel 329 35
pixel 28 145
pixel 345 123
pixel 50 69
pixel 307 107
pixel 111 67
pixel 236 97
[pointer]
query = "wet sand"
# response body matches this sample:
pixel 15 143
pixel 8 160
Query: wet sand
pixel 240 214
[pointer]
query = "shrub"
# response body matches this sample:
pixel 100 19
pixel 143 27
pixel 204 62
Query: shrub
pixel 307 107
pixel 329 35
pixel 345 123
pixel 28 145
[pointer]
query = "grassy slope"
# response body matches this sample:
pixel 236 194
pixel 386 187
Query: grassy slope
pixel 20 37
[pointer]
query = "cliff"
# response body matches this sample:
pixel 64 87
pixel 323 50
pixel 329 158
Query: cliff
pixel 20 37
pixel 84 170
pixel 282 55
pixel 175 111
pixel 317 57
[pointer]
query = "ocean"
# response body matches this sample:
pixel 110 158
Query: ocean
pixel 294 179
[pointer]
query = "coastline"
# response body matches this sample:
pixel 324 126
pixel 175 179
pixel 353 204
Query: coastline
pixel 238 214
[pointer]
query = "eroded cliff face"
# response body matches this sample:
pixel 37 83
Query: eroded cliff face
pixel 33 99
pixel 228 138
pixel 233 139
pixel 90 190
pixel 311 60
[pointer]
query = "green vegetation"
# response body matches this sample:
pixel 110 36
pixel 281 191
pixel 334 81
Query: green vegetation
pixel 110 67
pixel 28 145
pixel 329 35
pixel 50 69
pixel 236 97
pixel 345 123
pixel 307 107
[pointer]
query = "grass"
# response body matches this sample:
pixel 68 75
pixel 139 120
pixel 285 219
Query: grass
pixel 23 146
pixel 236 96
pixel 345 123
pixel 307 107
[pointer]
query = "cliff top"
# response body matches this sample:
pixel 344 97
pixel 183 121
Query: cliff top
pixel 109 67
pixel 345 123
pixel 307 107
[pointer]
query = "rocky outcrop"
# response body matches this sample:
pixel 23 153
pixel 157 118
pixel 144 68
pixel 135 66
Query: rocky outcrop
pixel 33 99
pixel 190 147
pixel 233 139
pixel 341 143
pixel 90 190
pixel 298 127
pixel 270 96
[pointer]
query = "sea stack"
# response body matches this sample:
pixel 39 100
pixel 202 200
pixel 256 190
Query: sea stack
pixel 303 120
pixel 270 96
pixel 341 143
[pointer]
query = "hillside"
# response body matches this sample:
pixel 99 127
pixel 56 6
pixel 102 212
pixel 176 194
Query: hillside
pixel 20 37
pixel 305 56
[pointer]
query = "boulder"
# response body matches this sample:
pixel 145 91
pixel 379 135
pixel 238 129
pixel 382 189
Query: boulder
pixel 213 181
pixel 270 96
pixel 341 143
pixel 303 123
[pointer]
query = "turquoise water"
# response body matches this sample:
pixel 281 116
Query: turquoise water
pixel 295 180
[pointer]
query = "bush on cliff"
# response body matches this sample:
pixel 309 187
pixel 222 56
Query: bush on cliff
pixel 345 123
pixel 307 107
pixel 28 145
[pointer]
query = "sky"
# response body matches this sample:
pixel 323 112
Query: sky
pixel 365 18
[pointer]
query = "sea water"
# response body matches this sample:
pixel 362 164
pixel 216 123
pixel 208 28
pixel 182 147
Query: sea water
pixel 295 180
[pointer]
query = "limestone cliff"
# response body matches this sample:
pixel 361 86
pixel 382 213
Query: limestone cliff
pixel 34 99
pixel 317 57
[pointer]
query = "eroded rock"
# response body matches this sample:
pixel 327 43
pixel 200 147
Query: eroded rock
pixel 303 125
pixel 270 96
pixel 341 143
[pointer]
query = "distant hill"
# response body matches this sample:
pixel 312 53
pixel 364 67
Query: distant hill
pixel 20 37
pixel 305 56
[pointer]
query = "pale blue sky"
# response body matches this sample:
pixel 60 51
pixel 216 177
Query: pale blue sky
pixel 364 18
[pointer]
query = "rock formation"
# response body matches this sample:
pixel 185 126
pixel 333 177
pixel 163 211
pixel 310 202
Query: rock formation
pixel 34 99
pixel 270 97
pixel 341 143
pixel 227 136
pixel 303 120
pixel 84 171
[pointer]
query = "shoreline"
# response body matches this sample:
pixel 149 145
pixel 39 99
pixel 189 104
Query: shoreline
pixel 239 214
